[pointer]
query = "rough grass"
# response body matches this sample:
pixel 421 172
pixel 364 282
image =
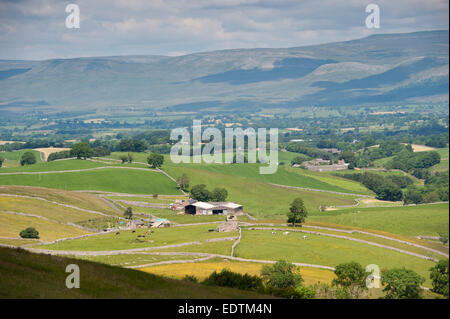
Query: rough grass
pixel 220 248
pixel 42 208
pixel 412 220
pixel 201 270
pixel 108 179
pixel 321 250
pixel 26 275
pixel 129 240
pixel 12 225
pixel 78 199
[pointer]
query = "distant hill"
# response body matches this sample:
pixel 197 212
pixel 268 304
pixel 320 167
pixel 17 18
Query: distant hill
pixel 27 275
pixel 385 68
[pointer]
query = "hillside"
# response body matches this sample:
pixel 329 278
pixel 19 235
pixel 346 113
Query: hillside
pixel 379 68
pixel 27 275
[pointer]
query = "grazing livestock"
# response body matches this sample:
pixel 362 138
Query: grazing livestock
pixel 273 233
pixel 118 233
pixel 286 233
pixel 304 237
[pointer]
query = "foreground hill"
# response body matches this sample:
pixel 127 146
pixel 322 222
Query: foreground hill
pixel 379 68
pixel 27 275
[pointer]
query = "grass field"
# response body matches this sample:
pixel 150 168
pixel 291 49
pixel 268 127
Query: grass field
pixel 321 250
pixel 220 247
pixel 12 225
pixel 201 270
pixel 108 179
pixel 129 240
pixel 412 221
pixel 26 275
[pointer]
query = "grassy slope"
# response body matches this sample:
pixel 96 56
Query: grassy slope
pixel 324 251
pixel 26 275
pixel 45 209
pixel 12 225
pixel 113 180
pixel 411 221
pixel 129 240
pixel 258 198
pixel 78 199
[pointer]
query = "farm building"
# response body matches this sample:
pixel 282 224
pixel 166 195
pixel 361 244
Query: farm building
pixel 213 208
pixel 321 165
pixel 180 204
pixel 159 223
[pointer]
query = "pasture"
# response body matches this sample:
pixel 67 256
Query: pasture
pixel 129 240
pixel 122 180
pixel 321 250
pixel 411 220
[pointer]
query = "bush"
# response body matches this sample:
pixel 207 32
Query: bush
pixel 2 159
pixel 227 278
pixel 281 275
pixel 29 232
pixel 58 155
pixel 402 283
pixel 439 277
pixel 190 278
pixel 155 160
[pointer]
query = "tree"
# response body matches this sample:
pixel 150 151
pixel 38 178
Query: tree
pixel 402 283
pixel 390 192
pixel 29 232
pixel 183 182
pixel 200 193
pixel 443 238
pixel 297 212
pixel 27 158
pixel 281 275
pixel 124 158
pixel 2 159
pixel 219 195
pixel 412 196
pixel 155 160
pixel 351 276
pixel 128 213
pixel 439 277
pixel 81 150
pixel 130 157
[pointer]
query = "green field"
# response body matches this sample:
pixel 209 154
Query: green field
pixel 412 221
pixel 129 240
pixel 321 250
pixel 108 179
pixel 12 225
pixel 126 260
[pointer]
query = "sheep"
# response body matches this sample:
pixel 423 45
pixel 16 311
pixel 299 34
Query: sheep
pixel 273 233
pixel 286 233
pixel 304 237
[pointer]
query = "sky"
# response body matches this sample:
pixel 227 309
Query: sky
pixel 35 29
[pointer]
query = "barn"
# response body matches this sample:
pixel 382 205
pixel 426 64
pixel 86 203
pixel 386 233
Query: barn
pixel 213 208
